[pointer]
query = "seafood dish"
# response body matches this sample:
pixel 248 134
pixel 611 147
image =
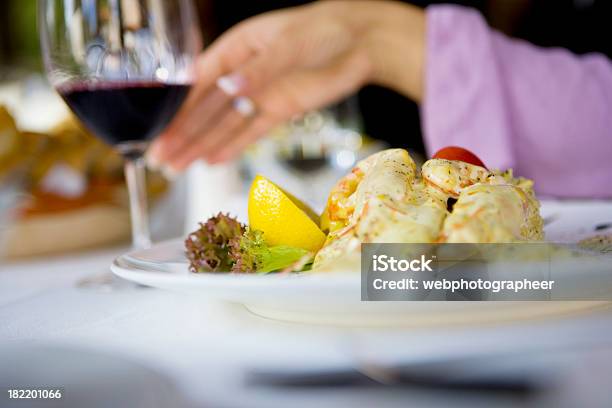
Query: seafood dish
pixel 452 198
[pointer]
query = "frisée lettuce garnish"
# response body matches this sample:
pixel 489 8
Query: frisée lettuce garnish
pixel 223 244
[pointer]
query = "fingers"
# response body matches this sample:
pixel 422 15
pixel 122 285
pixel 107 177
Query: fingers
pixel 229 124
pixel 205 99
pixel 292 94
pixel 226 54
pixel 200 115
pixel 249 60
pixel 208 98
pixel 235 47
pixel 296 94
pixel 190 122
pixel 260 70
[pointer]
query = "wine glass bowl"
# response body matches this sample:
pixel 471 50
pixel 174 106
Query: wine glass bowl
pixel 123 66
pixel 87 41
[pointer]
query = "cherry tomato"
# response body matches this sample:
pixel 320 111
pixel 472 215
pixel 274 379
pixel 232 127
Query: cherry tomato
pixel 458 153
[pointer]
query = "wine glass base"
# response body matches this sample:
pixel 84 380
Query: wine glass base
pixel 107 282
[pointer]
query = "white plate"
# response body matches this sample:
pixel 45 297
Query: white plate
pixel 335 298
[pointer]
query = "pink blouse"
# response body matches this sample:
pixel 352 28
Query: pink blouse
pixel 545 112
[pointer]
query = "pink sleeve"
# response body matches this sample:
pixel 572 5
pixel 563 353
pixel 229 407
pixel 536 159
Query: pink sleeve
pixel 547 113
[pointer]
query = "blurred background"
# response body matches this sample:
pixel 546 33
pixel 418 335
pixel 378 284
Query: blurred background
pixel 55 176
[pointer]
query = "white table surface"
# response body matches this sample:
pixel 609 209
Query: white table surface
pixel 206 348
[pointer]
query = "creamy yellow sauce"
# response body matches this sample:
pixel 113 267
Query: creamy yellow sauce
pixel 386 199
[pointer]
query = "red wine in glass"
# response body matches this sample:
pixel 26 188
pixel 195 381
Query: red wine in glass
pixel 125 112
pixel 123 67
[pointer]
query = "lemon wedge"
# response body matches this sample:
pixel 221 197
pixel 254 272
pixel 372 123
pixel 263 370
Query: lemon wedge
pixel 282 218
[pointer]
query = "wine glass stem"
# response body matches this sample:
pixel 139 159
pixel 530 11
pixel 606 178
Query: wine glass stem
pixel 137 190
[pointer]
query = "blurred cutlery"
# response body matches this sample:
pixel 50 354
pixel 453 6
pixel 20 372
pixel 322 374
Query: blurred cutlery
pixel 522 372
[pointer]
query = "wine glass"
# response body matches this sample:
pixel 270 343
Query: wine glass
pixel 124 67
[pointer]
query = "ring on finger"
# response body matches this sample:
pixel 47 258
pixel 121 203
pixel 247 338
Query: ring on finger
pixel 245 106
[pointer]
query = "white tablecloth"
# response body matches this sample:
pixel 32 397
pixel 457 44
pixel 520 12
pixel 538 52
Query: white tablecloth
pixel 206 348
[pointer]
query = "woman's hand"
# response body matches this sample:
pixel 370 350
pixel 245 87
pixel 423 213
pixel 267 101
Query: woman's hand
pixel 271 67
